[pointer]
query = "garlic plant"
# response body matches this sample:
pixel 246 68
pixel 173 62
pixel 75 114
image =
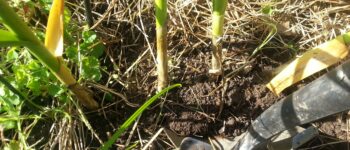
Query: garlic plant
pixel 219 7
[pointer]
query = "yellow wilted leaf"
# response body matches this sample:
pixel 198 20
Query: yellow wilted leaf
pixel 311 62
pixel 54 29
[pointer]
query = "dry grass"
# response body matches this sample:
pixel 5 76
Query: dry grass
pixel 128 29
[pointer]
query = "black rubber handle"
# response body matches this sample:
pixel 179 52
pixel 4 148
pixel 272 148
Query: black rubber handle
pixel 328 95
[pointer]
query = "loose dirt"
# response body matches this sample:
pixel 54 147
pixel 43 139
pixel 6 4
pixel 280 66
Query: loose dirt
pixel 213 105
pixel 204 105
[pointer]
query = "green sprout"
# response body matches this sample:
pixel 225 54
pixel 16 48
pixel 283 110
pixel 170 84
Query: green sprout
pixel 162 58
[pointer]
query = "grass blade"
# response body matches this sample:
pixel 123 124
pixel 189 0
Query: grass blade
pixel 133 117
pixel 268 38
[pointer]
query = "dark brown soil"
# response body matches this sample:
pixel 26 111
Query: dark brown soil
pixel 206 105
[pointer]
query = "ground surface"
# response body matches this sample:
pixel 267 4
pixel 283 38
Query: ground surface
pixel 205 105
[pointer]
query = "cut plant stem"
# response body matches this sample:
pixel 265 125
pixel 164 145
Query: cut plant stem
pixel 162 58
pixel 219 7
pixel 37 48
